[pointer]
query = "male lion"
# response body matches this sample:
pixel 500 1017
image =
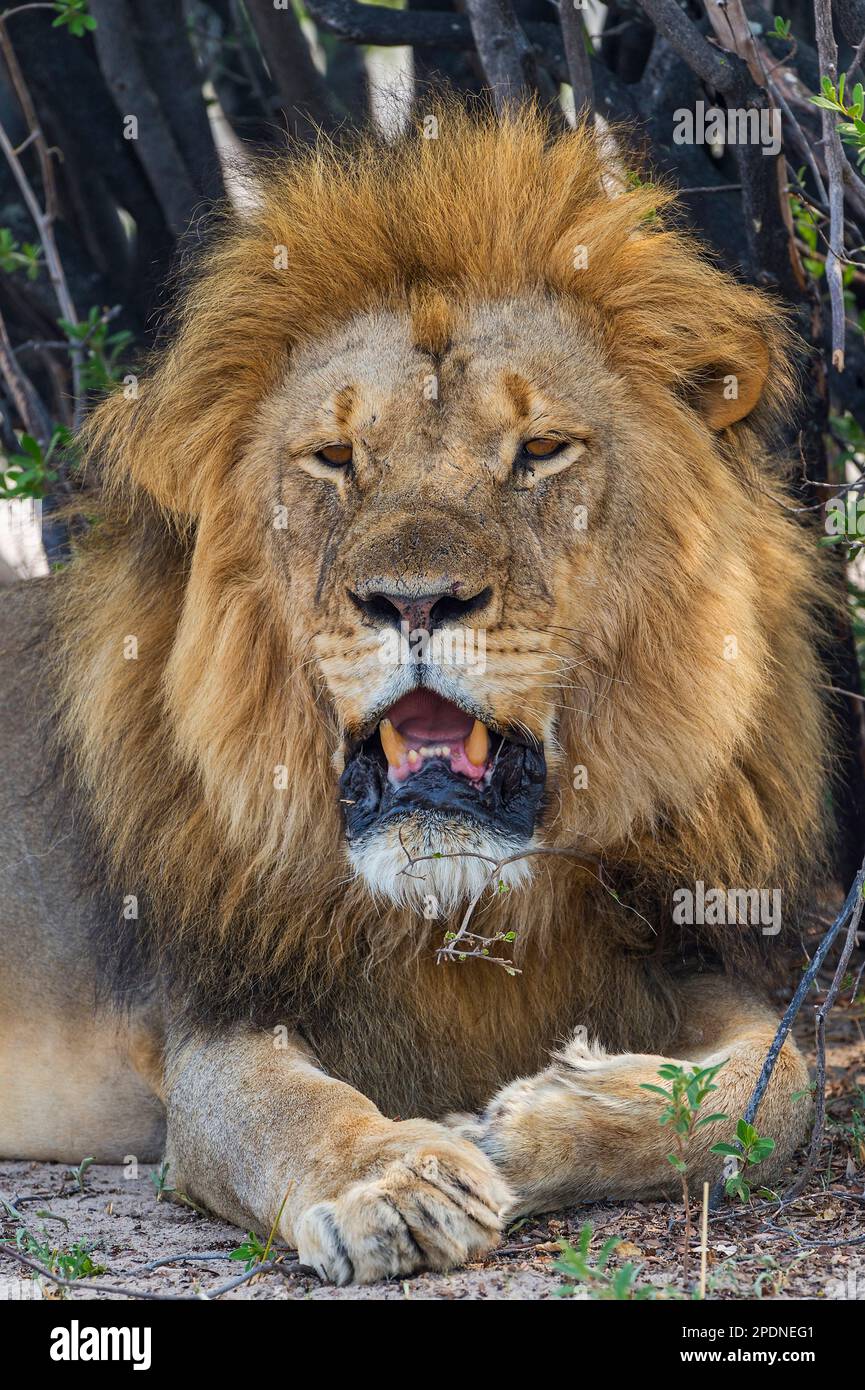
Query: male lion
pixel 469 389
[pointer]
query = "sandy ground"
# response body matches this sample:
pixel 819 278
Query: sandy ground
pixel 157 1248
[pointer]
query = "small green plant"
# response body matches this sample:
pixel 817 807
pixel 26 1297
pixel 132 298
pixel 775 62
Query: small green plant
pixel 852 129
pixel 689 1088
pixel 753 1150
pixel 16 255
pixel 782 27
pixel 28 473
pixel 102 366
pixel 251 1251
pixel 159 1178
pixel 79 1173
pixel 70 1262
pixel 594 1276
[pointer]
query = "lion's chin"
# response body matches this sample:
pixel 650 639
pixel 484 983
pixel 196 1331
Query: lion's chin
pixel 435 864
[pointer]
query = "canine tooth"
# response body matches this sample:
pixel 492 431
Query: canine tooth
pixel 394 744
pixel 413 757
pixel 477 744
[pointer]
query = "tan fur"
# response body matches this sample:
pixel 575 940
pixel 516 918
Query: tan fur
pixel 434 314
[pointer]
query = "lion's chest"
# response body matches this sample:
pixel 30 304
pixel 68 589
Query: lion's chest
pixel 423 1040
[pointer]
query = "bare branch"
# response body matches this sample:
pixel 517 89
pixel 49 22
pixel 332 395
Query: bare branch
pixel 170 63
pixel 577 54
pixel 827 50
pixel 43 218
pixel 374 24
pixel 822 1012
pixel 856 62
pixel 306 100
pixel 384 27
pixel 133 95
pixel 506 56
pixel 683 35
pixel 851 18
pixel 24 395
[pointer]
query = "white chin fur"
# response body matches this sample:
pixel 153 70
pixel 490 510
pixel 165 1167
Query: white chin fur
pixel 435 887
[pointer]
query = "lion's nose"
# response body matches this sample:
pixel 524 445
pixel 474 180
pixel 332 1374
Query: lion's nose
pixel 391 607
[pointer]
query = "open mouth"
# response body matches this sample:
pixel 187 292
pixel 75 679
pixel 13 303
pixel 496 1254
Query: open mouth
pixel 427 754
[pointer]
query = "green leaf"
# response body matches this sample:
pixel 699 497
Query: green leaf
pixel 31 447
pixel 711 1119
pixel 727 1149
pixel 761 1150
pixel 736 1187
pixel 677 1163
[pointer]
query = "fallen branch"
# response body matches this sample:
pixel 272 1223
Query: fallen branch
pixel 265 1267
pixel 852 908
pixel 65 1283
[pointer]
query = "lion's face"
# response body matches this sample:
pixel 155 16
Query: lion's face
pixel 447 478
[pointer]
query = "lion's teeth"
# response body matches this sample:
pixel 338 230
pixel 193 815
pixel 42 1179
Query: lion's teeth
pixel 477 744
pixel 393 743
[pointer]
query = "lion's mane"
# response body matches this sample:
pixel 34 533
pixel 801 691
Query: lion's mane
pixel 245 897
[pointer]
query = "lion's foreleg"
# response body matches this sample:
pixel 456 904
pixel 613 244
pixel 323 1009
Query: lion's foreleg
pixel 585 1128
pixel 255 1127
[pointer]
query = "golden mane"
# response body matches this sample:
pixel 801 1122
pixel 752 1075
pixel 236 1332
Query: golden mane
pixel 173 752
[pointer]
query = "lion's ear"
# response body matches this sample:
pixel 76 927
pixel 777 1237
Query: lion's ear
pixel 727 389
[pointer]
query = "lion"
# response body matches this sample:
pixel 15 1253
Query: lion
pixel 441 586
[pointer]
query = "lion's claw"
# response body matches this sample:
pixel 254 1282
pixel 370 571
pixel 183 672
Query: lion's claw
pixel 431 1209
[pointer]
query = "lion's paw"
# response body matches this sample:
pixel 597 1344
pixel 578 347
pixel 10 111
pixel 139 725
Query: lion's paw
pixel 530 1130
pixel 435 1207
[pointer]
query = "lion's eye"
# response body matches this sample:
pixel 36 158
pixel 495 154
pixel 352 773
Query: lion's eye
pixel 337 455
pixel 543 448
